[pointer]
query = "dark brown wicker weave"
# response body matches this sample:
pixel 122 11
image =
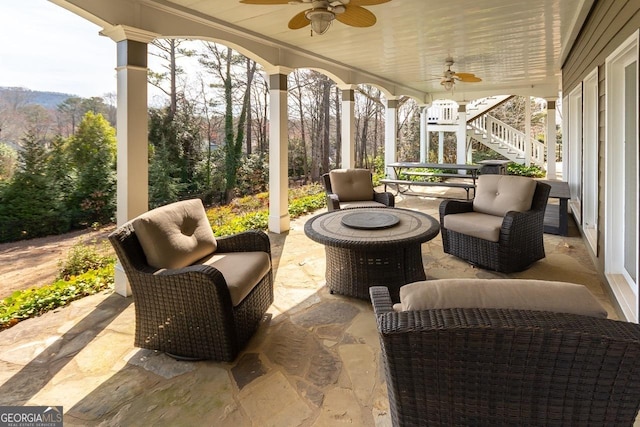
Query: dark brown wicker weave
pixel 187 312
pixel 333 201
pixel 521 236
pixel 490 367
pixel 358 260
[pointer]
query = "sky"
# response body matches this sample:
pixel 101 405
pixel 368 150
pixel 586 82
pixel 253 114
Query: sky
pixel 47 48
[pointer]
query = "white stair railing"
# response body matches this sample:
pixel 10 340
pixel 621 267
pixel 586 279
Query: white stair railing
pixel 505 139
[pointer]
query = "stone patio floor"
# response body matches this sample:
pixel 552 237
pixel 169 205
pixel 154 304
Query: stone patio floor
pixel 314 362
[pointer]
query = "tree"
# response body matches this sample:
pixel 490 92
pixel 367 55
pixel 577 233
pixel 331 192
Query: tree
pixel 8 162
pixel 221 62
pixel 169 51
pixel 92 155
pixel 26 203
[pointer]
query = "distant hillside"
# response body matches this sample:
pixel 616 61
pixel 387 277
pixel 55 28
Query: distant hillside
pixel 49 100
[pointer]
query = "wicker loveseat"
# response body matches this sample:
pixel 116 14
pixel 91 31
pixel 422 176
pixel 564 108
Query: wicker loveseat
pixel 502 228
pixel 353 188
pixel 196 296
pixel 453 359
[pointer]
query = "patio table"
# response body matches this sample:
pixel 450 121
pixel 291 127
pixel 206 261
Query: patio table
pixel 367 247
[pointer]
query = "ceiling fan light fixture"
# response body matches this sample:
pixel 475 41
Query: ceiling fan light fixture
pixel 320 20
pixel 447 83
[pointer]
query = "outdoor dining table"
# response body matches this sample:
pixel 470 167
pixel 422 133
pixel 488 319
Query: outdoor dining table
pixel 367 247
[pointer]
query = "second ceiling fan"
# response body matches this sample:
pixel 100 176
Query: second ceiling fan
pixel 322 13
pixel 449 77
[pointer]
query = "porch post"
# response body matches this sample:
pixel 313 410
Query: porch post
pixel 424 134
pixel 348 128
pixel 527 131
pixel 390 132
pixel 550 139
pixel 278 153
pixel 440 146
pixel 132 131
pixel 461 135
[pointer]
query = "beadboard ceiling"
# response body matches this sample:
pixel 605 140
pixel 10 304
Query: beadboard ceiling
pixel 515 46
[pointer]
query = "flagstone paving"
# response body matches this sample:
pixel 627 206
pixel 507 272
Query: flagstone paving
pixel 315 360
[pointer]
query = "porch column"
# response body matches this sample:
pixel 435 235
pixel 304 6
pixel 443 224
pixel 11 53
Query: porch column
pixel 278 153
pixel 440 146
pixel 348 128
pixel 132 131
pixel 461 135
pixel 550 139
pixel 527 131
pixel 424 134
pixel 390 132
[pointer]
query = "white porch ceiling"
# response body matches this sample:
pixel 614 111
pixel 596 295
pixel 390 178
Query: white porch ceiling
pixel 515 46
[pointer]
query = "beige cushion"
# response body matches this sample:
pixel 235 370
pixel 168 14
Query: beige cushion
pixel 520 294
pixel 482 226
pixel 499 194
pixel 241 270
pixel 351 184
pixel 175 235
pixel 362 204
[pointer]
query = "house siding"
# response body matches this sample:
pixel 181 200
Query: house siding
pixel 607 26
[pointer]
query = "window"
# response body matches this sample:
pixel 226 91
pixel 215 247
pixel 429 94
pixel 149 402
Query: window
pixel 622 175
pixel 574 152
pixel 590 159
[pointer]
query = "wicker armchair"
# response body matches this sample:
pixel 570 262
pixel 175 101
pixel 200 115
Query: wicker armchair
pixel 193 311
pixel 493 234
pixel 491 367
pixel 353 188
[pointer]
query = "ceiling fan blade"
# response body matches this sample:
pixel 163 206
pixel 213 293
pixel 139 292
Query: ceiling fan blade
pixel 367 2
pixel 264 1
pixel 467 77
pixel 356 16
pixel 299 21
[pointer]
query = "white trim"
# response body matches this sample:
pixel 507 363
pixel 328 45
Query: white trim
pixel 590 159
pixel 574 152
pixel 624 289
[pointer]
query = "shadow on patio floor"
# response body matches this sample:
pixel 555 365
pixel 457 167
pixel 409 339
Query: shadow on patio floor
pixel 313 362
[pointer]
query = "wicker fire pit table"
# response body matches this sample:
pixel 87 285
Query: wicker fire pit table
pixel 372 247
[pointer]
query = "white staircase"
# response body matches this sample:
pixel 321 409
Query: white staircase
pixel 489 131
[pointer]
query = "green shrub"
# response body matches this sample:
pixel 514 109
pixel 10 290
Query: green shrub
pixel 36 301
pixel 532 171
pixel 80 259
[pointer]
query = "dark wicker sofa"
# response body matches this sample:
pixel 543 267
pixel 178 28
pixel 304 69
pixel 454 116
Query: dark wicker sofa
pixel 492 367
pixel 520 241
pixel 188 312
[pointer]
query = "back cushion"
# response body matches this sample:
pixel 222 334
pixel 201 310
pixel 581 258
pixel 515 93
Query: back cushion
pixel 514 294
pixel 499 194
pixel 351 184
pixel 175 235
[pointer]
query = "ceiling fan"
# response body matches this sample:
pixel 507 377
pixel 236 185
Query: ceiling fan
pixel 449 77
pixel 322 13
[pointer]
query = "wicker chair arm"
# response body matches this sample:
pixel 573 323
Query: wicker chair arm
pixel 247 241
pixel 381 299
pixel 453 207
pixel 333 202
pixel 386 198
pixel 521 225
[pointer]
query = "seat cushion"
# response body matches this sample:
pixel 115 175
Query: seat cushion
pixel 241 270
pixel 175 235
pixel 518 294
pixel 351 184
pixel 482 226
pixel 499 194
pixel 362 204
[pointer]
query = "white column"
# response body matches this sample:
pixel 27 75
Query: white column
pixel 440 146
pixel 461 135
pixel 527 131
pixel 348 128
pixel 390 132
pixel 550 138
pixel 278 154
pixel 424 134
pixel 132 131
